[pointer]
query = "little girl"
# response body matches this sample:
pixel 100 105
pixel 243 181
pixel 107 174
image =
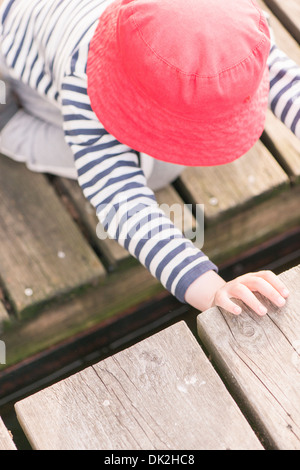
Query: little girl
pixel 122 95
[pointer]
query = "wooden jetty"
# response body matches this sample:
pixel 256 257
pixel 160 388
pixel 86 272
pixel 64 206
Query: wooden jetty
pixel 58 304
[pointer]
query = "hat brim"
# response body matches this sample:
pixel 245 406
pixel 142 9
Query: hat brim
pixel 134 120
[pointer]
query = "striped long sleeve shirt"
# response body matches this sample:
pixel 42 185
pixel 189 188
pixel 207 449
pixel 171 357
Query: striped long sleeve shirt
pixel 45 44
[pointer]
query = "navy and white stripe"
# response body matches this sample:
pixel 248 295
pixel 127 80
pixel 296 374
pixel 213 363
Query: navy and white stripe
pixel 110 177
pixel 284 96
pixel 45 44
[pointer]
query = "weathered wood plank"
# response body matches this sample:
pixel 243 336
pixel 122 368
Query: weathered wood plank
pixel 161 393
pixel 284 145
pixel 288 12
pixel 43 254
pixel 6 442
pixel 283 38
pixel 119 292
pixel 259 359
pixel 253 226
pixel 112 251
pixel 228 189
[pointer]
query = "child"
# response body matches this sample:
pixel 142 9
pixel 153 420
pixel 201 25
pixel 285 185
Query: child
pixel 123 94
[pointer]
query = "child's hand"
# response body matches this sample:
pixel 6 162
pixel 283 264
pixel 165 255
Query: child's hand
pixel 211 290
pixel 242 288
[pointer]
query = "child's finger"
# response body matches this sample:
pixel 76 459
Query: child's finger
pixel 259 284
pixel 225 302
pixel 242 292
pixel 274 280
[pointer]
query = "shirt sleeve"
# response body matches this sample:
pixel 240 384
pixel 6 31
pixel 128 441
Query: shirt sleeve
pixel 284 96
pixel 112 180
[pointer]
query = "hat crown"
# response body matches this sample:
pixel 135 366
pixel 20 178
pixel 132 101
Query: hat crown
pixel 190 53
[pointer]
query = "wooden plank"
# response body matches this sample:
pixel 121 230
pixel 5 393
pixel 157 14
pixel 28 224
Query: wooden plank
pixel 253 226
pixel 6 442
pixel 284 145
pixel 283 38
pixel 106 337
pixel 161 393
pixel 228 189
pixel 259 359
pixel 43 254
pixel 119 292
pixel 112 251
pixel 288 12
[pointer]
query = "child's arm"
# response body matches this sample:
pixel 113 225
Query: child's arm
pixel 211 290
pixel 111 179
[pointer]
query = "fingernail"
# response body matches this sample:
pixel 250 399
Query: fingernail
pixel 237 310
pixel 280 301
pixel 262 310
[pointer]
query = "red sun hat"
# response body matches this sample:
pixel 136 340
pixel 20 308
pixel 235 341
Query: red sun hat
pixel 185 81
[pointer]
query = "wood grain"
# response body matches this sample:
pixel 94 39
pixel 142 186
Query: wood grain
pixel 43 254
pixel 6 442
pixel 114 254
pixel 284 40
pixel 252 227
pixel 161 393
pixel 284 145
pixel 288 12
pixel 62 321
pixel 228 189
pixel 258 357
